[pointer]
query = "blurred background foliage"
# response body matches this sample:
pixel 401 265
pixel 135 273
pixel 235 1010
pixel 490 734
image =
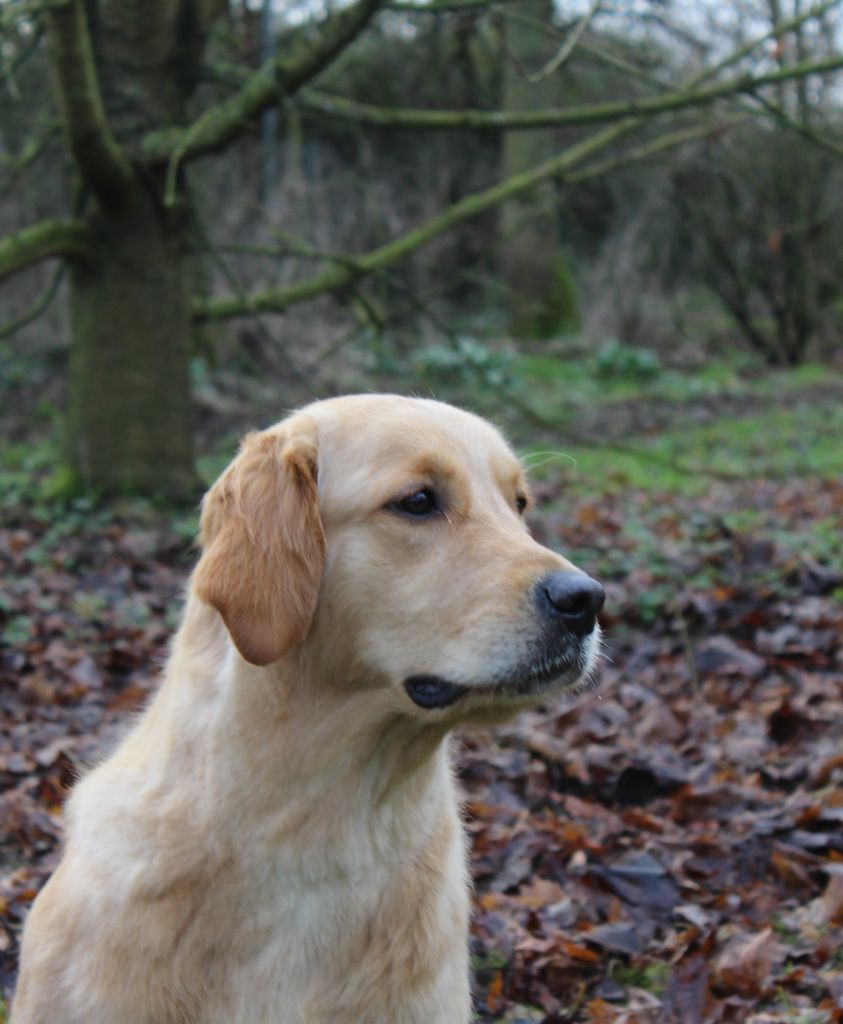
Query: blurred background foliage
pixel 169 281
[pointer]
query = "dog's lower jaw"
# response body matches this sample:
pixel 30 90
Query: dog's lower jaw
pixel 548 676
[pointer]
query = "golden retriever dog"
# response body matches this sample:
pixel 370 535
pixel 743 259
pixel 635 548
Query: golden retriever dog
pixel 278 839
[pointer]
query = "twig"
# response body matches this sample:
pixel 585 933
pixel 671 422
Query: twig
pixel 690 657
pixel 32 150
pixel 11 68
pixel 417 303
pixel 643 107
pixel 41 305
pixel 17 10
pixel 237 288
pixel 445 6
pixel 783 118
pixel 43 241
pixel 341 275
pixel 568 46
pixel 278 78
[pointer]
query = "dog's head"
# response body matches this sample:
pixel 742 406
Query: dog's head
pixel 382 540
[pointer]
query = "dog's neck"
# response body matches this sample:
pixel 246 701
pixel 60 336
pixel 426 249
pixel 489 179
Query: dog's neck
pixel 348 762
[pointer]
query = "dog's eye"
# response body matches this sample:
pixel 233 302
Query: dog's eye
pixel 422 502
pixel 521 504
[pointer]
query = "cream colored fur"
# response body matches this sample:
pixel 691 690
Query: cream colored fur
pixel 277 841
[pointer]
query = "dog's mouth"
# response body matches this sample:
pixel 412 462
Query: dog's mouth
pixel 432 692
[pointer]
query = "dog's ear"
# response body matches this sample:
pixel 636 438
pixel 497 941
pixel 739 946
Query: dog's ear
pixel 263 543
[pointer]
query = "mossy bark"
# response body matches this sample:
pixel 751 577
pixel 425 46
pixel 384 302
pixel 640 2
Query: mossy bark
pixel 124 67
pixel 129 414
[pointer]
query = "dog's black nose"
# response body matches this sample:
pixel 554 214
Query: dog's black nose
pixel 572 597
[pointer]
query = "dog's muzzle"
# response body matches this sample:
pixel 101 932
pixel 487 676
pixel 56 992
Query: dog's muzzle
pixel 568 603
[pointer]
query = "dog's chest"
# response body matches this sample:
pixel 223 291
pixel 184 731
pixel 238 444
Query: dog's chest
pixel 376 948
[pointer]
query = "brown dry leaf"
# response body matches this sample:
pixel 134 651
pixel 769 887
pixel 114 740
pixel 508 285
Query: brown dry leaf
pixel 744 965
pixel 660 725
pixel 826 768
pixel 686 996
pixel 540 893
pixel 533 944
pixel 579 953
pixel 721 655
pixel 494 994
pixel 788 869
pixel 492 900
pixel 828 908
pixel 600 1012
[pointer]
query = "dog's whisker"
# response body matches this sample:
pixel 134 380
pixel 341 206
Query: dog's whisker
pixel 544 459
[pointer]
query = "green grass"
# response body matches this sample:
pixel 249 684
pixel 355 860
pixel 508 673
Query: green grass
pixel 651 977
pixel 557 386
pixel 488 964
pixel 659 488
pixel 798 442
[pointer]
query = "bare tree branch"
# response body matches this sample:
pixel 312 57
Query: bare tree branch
pixel 347 269
pixel 781 115
pixel 99 157
pixel 343 274
pixel 688 96
pixel 9 69
pixel 32 150
pixel 278 78
pixel 234 283
pixel 597 113
pixel 605 57
pixel 12 12
pixel 289 246
pixel 568 46
pixel 776 31
pixel 444 6
pixel 43 241
pixel 41 304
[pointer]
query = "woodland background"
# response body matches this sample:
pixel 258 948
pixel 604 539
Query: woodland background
pixel 612 227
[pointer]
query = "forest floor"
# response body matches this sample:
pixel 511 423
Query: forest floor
pixel 668 849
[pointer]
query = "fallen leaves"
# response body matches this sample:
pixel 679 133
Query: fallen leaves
pixel 691 817
pixel 668 852
pixel 82 621
pixel 827 910
pixel 745 964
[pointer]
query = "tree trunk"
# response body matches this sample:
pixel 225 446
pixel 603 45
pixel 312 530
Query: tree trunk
pixel 129 409
pixel 541 293
pixel 129 417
